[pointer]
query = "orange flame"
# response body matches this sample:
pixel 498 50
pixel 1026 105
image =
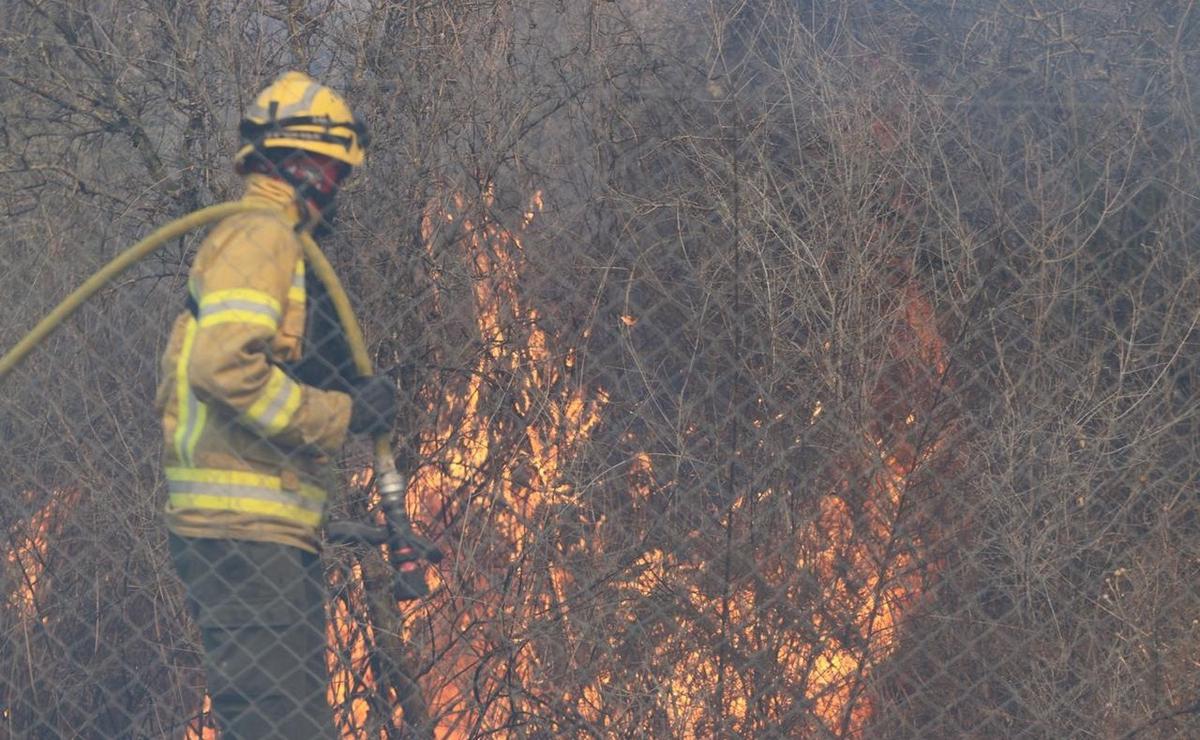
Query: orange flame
pixel 459 450
pixel 864 579
pixel 30 544
pixel 351 635
pixel 201 727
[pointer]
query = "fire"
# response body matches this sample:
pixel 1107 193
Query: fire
pixel 461 453
pixel 869 589
pixel 26 557
pixel 201 728
pixel 864 580
pixel 352 636
pixel 458 452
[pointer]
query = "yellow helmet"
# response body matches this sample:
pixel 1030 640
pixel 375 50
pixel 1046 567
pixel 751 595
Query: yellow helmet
pixel 297 112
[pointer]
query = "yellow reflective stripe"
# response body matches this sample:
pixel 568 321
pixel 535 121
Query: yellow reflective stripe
pixel 240 306
pixel 246 295
pixel 236 316
pixel 297 293
pixel 239 479
pixel 191 414
pixel 276 405
pixel 246 492
pixel 246 506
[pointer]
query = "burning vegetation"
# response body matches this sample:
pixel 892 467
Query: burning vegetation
pixel 509 632
pixel 29 544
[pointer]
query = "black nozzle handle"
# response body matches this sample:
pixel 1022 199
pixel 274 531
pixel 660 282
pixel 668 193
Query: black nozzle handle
pixel 350 532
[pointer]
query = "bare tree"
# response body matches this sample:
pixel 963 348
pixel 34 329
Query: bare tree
pixel 770 368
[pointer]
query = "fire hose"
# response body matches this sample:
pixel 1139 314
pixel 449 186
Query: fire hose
pixel 405 548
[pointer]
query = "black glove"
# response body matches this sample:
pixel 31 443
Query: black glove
pixel 374 405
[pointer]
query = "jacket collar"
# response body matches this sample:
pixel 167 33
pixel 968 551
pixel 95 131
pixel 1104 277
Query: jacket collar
pixel 272 193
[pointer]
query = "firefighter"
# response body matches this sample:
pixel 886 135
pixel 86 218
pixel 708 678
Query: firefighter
pixel 257 394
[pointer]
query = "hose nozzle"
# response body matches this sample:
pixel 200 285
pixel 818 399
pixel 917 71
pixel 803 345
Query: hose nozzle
pixel 406 549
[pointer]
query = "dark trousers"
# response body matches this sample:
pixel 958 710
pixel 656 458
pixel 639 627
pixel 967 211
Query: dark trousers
pixel 260 608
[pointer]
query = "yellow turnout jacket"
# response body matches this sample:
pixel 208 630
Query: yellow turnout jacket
pixel 247 446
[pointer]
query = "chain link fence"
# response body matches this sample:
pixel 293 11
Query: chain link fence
pixel 766 369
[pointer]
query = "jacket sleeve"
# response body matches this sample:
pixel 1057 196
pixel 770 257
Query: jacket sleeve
pixel 242 295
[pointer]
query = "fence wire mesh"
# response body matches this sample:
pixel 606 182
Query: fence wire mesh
pixel 765 369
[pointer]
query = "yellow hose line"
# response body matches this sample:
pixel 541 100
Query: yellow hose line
pixel 173 230
pixel 118 265
pixel 324 271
